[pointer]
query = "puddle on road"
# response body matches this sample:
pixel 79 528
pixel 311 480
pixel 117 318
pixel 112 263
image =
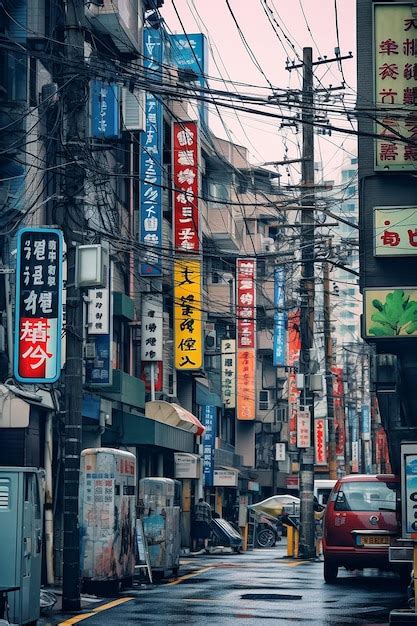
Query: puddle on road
pixel 269 596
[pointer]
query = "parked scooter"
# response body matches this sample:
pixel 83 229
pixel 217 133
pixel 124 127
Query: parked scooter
pixel 268 531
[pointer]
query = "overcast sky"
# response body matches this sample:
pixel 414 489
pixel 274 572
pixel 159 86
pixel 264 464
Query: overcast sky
pixel 317 28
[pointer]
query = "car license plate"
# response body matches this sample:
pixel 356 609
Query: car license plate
pixel 374 540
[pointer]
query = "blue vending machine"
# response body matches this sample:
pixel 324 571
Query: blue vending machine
pixel 21 514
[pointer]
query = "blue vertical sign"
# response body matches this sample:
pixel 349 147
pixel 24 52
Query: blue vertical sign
pixel 151 166
pixel 209 440
pixel 104 109
pixel 189 52
pixel 366 421
pixel 280 335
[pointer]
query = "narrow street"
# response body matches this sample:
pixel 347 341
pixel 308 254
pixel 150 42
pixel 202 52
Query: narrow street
pixel 255 588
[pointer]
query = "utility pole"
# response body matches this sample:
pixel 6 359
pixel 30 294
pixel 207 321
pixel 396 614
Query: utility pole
pixel 75 96
pixel 307 288
pixel 328 350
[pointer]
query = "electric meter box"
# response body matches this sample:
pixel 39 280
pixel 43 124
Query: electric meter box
pixel 21 515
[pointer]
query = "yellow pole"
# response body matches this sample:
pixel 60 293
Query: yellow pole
pixel 296 542
pixel 415 575
pixel 290 541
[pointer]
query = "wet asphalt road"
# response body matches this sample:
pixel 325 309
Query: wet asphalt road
pixel 259 587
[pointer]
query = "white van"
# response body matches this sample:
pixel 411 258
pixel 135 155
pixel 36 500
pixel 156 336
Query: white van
pixel 322 489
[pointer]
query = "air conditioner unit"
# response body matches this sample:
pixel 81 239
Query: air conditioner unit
pixel 264 403
pixel 210 337
pixel 133 109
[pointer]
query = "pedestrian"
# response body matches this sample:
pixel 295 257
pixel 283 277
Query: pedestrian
pixel 200 528
pixel 318 526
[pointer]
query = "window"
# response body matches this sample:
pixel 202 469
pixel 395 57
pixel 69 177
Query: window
pixel 366 496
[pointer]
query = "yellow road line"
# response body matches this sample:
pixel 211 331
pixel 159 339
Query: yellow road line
pixel 295 563
pixel 192 575
pixel 99 609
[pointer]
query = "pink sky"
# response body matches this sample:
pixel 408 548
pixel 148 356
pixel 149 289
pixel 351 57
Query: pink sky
pixel 263 138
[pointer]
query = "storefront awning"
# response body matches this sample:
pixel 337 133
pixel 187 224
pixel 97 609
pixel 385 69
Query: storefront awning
pixel 174 415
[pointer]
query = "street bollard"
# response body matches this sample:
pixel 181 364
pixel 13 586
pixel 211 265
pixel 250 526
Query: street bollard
pixel 296 542
pixel 244 533
pixel 290 540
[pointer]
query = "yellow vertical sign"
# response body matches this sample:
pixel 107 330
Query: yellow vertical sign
pixel 188 327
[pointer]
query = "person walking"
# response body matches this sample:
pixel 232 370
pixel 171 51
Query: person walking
pixel 200 528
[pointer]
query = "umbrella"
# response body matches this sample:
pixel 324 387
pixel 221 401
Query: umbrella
pixel 277 505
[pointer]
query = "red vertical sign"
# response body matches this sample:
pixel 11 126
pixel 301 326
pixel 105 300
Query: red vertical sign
pixel 320 447
pixel 246 338
pixel 186 189
pixel 339 410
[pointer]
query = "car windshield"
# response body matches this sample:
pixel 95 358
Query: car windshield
pixel 365 496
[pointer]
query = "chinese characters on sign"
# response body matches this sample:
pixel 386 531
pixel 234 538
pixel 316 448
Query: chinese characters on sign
pixel 294 346
pixel 303 429
pixel 105 100
pixel 98 311
pixel 246 338
pixel 228 370
pixel 279 318
pixel 186 187
pixel 339 411
pixel 209 439
pixel 151 166
pixel 395 231
pixel 188 327
pixel 152 326
pixel 98 369
pixel 320 444
pixel 395 71
pixel 38 320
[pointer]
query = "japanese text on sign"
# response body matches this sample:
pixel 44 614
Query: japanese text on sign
pixel 152 327
pixel 98 311
pixel 279 317
pixel 188 314
pixel 246 338
pixel 228 370
pixel 151 167
pixel 320 445
pixel 395 231
pixel 38 305
pixel 185 172
pixel 303 429
pixel 293 348
pixel 395 53
pixel 98 370
pixel 209 419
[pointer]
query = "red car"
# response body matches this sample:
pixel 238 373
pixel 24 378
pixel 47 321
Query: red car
pixel 359 521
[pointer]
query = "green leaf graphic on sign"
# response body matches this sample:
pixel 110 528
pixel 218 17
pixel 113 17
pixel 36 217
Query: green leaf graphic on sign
pixel 396 316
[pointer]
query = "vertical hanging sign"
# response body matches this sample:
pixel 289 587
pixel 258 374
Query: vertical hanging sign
pixel 228 372
pixel 104 109
pixel 186 188
pixel 246 338
pixel 278 353
pixel 38 318
pixel 188 325
pixel 294 346
pixel 320 444
pixel 209 439
pixel 98 369
pixel 151 163
pixel 152 327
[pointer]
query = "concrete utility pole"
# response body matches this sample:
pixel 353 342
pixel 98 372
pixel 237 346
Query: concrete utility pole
pixel 75 100
pixel 307 289
pixel 328 350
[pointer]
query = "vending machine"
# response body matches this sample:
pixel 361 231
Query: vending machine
pixel 107 512
pixel 21 515
pixel 159 503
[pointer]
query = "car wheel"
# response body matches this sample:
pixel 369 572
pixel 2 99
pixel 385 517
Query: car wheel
pixel 330 572
pixel 266 538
